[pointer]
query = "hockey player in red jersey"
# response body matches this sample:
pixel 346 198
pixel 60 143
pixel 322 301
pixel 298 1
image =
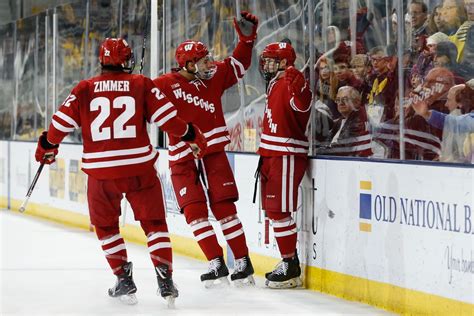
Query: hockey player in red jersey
pixel 283 154
pixel 112 110
pixel 196 88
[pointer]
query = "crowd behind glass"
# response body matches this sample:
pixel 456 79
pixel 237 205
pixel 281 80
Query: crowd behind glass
pixel 355 72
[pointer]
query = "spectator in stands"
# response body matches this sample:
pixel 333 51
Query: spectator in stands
pixel 445 56
pixel 383 84
pixel 434 40
pixel 435 21
pixel 342 71
pixel 452 102
pixel 468 52
pixel 360 66
pixel 418 12
pixel 458 130
pixel 350 135
pixel 424 62
pixel 459 39
pixel 453 15
pixel 326 85
pixel 424 140
pixel 386 137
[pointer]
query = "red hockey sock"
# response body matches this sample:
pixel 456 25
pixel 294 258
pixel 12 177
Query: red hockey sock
pixel 113 247
pixel 234 234
pixel 206 238
pixel 159 244
pixel 231 226
pixel 196 217
pixel 284 228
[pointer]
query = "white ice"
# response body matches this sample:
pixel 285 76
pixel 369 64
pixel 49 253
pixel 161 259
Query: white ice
pixel 48 269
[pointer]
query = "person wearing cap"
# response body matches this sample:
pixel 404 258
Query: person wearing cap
pixel 383 86
pixel 434 40
pixel 424 141
pixel 424 62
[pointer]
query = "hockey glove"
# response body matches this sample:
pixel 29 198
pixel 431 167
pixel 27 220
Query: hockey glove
pixel 196 140
pixel 246 27
pixel 295 80
pixel 45 151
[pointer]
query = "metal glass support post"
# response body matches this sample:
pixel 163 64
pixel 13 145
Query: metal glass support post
pixel 121 17
pixel 186 18
pixel 35 78
pixel 241 86
pixel 16 66
pixel 353 25
pixel 312 78
pixel 46 52
pixel 166 8
pixel 154 59
pixel 388 20
pixel 325 23
pixel 86 42
pixel 55 51
pixel 400 45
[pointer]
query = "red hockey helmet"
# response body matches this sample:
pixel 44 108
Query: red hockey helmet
pixel 280 51
pixel 115 52
pixel 190 51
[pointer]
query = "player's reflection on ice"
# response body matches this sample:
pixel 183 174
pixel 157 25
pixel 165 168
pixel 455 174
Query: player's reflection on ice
pixel 48 269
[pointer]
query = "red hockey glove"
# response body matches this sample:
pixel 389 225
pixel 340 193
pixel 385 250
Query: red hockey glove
pixel 246 27
pixel 196 140
pixel 295 80
pixel 45 151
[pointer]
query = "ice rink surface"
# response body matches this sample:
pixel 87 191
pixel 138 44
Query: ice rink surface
pixel 48 269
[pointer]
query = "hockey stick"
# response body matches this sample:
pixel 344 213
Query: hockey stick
pixel 32 186
pixel 145 31
pixel 142 62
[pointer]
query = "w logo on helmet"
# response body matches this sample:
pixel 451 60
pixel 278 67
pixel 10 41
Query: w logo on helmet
pixel 188 47
pixel 106 52
pixel 282 45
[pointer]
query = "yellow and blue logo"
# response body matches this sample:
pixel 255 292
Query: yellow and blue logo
pixel 365 206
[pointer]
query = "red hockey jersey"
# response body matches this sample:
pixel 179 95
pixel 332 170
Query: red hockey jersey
pixel 199 101
pixel 112 109
pixel 285 121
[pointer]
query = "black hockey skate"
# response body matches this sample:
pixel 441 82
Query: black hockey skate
pixel 217 274
pixel 286 274
pixel 243 273
pixel 125 288
pixel 166 287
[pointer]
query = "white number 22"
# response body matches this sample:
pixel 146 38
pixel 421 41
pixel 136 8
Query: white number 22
pixel 119 131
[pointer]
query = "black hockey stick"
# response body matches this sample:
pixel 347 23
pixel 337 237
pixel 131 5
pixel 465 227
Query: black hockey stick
pixel 32 186
pixel 145 31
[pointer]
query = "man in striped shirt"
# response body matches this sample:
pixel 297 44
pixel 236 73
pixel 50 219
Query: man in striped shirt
pixel 112 110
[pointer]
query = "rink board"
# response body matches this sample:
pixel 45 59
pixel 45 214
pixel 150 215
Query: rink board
pixel 398 236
